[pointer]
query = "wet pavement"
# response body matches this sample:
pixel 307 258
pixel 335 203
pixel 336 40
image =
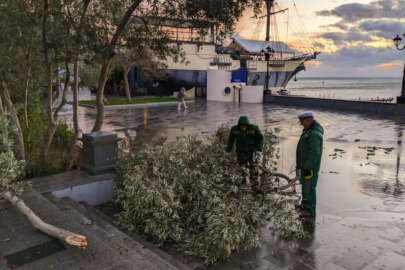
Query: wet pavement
pixel 360 219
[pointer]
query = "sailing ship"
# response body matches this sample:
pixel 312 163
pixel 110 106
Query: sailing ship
pixel 264 61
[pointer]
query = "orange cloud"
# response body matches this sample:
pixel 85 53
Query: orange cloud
pixel 314 63
pixel 397 63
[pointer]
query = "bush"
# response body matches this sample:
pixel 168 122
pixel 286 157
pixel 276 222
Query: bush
pixel 59 154
pixel 63 137
pixel 11 170
pixel 192 194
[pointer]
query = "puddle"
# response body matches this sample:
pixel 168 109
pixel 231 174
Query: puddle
pixel 361 153
pixel 95 193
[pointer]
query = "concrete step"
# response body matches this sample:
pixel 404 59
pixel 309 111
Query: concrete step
pixel 127 246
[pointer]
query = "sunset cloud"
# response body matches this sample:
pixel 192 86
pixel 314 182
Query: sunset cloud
pixel 396 63
pixel 354 36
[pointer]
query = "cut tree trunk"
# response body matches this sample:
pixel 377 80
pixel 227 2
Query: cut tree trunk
pixel 70 238
pixel 16 122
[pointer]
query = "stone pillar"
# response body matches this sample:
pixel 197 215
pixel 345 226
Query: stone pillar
pixel 100 152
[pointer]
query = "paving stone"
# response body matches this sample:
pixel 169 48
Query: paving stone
pixel 19 239
pixel 332 266
pixel 355 259
pixel 60 260
pixel 389 261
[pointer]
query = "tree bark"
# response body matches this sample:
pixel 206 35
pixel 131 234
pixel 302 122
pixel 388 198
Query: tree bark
pixel 14 118
pixel 75 112
pixel 70 238
pixel 100 95
pixel 64 93
pixel 27 83
pixel 58 94
pixel 104 71
pixel 127 88
pixel 1 106
pixel 49 71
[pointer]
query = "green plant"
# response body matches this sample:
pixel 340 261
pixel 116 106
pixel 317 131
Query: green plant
pixel 34 142
pixel 11 170
pixel 191 193
pixel 63 137
pixel 256 79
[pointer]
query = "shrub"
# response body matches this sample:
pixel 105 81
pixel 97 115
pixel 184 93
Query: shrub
pixel 11 170
pixel 192 194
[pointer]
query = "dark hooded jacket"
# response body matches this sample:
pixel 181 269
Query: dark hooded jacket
pixel 247 142
pixel 310 146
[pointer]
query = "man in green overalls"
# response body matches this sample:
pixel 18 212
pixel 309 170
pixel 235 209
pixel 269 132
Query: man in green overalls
pixel 249 142
pixel 309 155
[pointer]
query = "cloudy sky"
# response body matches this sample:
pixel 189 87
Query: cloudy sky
pixel 354 36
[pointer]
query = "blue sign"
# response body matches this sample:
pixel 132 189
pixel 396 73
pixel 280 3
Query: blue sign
pixel 239 76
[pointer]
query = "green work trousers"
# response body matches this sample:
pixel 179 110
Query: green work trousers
pixel 309 193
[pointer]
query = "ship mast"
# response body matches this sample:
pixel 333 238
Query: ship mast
pixel 269 5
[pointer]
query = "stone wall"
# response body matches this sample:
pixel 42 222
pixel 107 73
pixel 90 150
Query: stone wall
pixel 382 109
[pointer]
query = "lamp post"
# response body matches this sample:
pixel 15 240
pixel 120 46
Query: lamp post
pixel 397 41
pixel 267 53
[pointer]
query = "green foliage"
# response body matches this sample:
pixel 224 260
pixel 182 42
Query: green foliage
pixel 11 170
pixel 89 75
pixel 63 137
pixel 192 194
pixel 34 142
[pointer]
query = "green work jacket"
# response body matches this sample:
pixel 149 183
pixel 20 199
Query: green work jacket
pixel 247 142
pixel 310 146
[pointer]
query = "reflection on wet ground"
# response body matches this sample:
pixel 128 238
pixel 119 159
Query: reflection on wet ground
pixel 360 189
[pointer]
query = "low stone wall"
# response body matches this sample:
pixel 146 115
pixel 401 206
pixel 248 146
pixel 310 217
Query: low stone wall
pixel 382 109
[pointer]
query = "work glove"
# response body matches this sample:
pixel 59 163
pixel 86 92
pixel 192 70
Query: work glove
pixel 257 157
pixel 308 174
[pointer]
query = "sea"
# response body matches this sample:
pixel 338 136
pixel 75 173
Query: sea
pixel 347 88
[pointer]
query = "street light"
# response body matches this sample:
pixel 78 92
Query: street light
pixel 397 41
pixel 267 53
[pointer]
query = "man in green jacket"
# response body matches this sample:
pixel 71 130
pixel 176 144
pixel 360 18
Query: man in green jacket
pixel 309 155
pixel 249 141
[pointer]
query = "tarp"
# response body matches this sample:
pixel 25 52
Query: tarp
pixel 257 46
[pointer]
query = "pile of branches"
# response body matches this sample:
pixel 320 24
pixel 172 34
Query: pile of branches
pixel 193 195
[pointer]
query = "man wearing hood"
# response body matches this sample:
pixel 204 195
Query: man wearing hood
pixel 309 155
pixel 249 141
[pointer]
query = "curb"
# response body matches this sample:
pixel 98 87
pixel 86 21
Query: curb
pixel 155 104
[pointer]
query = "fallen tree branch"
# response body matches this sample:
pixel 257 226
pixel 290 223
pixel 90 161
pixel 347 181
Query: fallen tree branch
pixel 61 234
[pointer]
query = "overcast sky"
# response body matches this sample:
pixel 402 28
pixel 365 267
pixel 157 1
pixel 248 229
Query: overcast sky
pixel 354 36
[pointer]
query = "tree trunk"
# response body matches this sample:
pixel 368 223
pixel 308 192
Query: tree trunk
pixel 104 71
pixel 51 120
pixel 49 91
pixel 70 238
pixel 58 94
pixel 75 113
pixel 14 118
pixel 1 106
pixel 127 88
pixel 27 84
pixel 64 93
pixel 100 95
